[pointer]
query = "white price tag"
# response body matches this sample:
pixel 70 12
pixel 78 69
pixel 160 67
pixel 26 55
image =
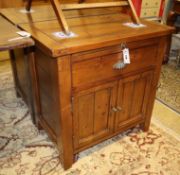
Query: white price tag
pixel 24 34
pixel 126 56
pixel 63 35
pixel 129 24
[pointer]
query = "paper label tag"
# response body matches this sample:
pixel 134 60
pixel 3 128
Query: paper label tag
pixel 133 25
pixel 23 34
pixel 25 11
pixel 126 56
pixel 62 35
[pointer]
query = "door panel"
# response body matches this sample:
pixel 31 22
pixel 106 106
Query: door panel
pixel 133 94
pixel 102 100
pixel 92 114
pixel 86 105
pixel 137 96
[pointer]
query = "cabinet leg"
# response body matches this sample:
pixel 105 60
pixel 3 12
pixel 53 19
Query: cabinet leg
pixel 18 95
pixel 144 126
pixel 75 158
pixel 67 162
pixel 14 71
pixel 38 125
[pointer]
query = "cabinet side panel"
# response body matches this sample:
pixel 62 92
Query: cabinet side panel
pixel 162 46
pixel 54 79
pixel 21 78
pixel 22 61
pixel 48 82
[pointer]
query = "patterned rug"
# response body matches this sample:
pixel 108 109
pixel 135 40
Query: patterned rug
pixel 6 77
pixel 25 151
pixel 169 86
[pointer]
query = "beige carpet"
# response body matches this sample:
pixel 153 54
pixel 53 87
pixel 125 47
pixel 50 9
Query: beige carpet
pixel 6 77
pixel 169 86
pixel 25 151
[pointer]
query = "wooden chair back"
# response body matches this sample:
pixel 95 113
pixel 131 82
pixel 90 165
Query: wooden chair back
pixel 59 8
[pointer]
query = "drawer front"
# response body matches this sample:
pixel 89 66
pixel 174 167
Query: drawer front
pixel 151 3
pixel 96 69
pixel 152 12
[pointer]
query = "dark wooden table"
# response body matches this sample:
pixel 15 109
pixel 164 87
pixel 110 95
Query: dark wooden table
pixel 171 19
pixel 9 41
pixel 176 7
pixel 8 32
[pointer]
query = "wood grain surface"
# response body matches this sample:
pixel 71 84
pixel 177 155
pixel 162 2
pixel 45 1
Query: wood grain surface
pixel 8 32
pixel 92 32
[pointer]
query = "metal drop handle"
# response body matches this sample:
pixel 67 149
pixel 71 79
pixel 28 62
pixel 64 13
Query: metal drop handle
pixel 119 108
pixel 119 65
pixel 116 109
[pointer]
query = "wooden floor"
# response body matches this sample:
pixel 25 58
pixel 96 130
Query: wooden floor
pixel 5 66
pixel 4 56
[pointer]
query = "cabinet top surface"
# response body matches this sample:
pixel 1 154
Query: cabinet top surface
pixel 94 28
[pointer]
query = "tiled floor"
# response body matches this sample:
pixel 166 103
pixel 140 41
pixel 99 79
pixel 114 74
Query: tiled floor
pixel 169 85
pixel 167 116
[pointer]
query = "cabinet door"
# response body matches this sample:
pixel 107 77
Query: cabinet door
pixel 132 102
pixel 93 119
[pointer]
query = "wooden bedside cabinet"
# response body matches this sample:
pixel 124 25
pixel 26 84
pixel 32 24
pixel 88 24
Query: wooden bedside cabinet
pixel 83 97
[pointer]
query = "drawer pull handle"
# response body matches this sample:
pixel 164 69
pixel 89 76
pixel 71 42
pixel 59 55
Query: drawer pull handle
pixel 114 109
pixel 119 108
pixel 119 65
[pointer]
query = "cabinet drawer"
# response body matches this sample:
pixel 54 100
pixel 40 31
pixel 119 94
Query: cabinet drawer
pixel 152 12
pixel 151 3
pixel 100 68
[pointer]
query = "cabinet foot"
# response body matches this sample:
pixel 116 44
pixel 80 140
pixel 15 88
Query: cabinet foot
pixel 18 95
pixel 68 165
pixel 38 125
pixel 144 127
pixel 75 158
